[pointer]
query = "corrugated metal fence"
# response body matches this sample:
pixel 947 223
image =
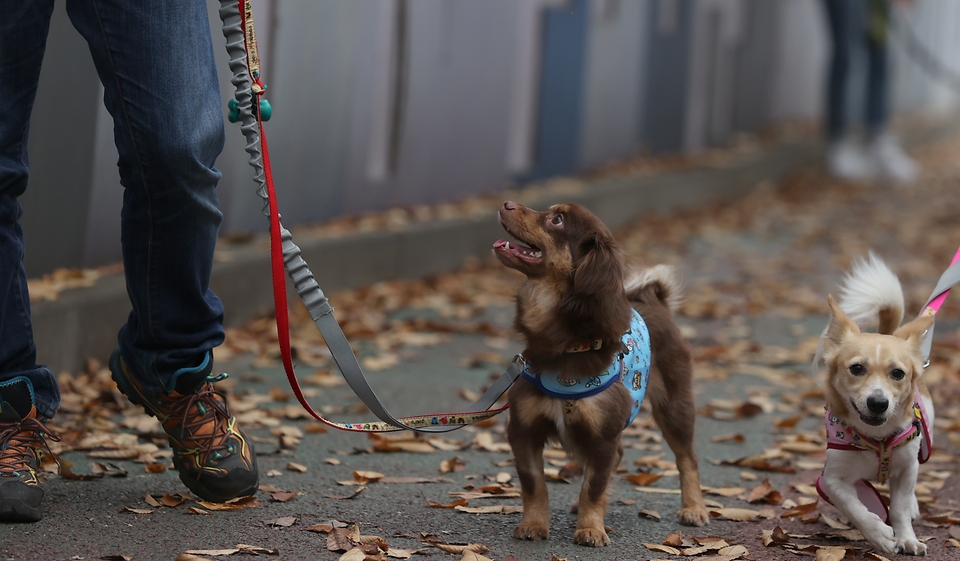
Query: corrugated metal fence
pixel 394 102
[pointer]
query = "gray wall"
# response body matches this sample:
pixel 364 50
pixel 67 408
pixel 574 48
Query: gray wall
pixel 401 102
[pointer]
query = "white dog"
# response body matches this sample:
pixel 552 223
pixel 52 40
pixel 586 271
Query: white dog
pixel 879 412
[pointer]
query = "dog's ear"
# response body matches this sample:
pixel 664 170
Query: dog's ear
pixel 913 332
pixel 840 325
pixel 598 268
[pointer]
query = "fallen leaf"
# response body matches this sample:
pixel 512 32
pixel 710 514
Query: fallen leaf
pixel 661 548
pixel 293 466
pixel 136 510
pixel 355 554
pixel 282 522
pixel 800 510
pixel 233 504
pixel 454 464
pixel 831 553
pixel 650 514
pixel 724 491
pixel 453 504
pixel 356 492
pixel 283 496
pixel 764 493
pixel 643 479
pixel 738 514
pixel 728 438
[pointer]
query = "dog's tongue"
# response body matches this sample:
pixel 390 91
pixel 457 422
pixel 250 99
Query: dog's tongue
pixel 504 244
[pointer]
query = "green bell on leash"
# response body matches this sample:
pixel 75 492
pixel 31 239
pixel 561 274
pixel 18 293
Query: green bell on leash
pixel 266 111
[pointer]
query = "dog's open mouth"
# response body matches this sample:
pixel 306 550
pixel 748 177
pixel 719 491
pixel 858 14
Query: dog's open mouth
pixel 872 421
pixel 526 253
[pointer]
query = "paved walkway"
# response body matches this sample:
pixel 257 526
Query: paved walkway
pixel 757 272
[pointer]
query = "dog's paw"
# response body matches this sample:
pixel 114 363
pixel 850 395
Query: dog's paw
pixel 694 516
pixel 911 546
pixel 879 535
pixel 593 537
pixel 530 531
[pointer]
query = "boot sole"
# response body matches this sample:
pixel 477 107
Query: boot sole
pixel 15 502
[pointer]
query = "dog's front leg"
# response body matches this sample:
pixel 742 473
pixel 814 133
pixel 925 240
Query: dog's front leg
pixel 528 459
pixel 599 465
pixel 839 478
pixel 904 508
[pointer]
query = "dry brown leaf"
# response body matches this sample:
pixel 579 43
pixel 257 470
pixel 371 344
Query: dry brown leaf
pixel 661 548
pixel 724 491
pixel 355 554
pixel 774 537
pixel 494 509
pixel 733 437
pixel 473 556
pixel 293 466
pixel 136 510
pixel 454 464
pixel 282 522
pixel 800 510
pixel 642 479
pixel 233 504
pixel 453 504
pixel 764 493
pixel 737 514
pixel 152 501
pixel 650 514
pixel 831 553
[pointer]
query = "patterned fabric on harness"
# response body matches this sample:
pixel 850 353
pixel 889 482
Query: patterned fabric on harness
pixel 630 367
pixel 841 436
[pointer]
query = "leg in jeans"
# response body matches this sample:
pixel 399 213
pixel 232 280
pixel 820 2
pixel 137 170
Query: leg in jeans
pixel 878 85
pixel 155 60
pixel 23 35
pixel 845 18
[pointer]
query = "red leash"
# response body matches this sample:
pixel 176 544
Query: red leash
pixel 333 336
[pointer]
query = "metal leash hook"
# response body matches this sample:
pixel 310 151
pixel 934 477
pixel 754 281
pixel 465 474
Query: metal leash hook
pixel 245 64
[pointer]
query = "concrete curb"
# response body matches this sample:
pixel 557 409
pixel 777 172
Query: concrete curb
pixel 83 323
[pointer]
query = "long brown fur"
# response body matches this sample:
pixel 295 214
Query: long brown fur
pixel 573 295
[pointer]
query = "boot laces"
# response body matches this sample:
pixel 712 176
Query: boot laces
pixel 203 419
pixel 19 442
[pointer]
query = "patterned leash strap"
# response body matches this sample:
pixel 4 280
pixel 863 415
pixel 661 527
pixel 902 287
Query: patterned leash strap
pixel 238 29
pixel 949 279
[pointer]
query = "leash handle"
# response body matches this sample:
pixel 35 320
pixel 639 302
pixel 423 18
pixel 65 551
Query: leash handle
pixel 237 17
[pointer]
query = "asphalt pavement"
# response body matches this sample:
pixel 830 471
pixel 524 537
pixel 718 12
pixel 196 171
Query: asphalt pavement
pixel 752 343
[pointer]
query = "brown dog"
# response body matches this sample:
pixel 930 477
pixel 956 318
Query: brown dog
pixel 573 311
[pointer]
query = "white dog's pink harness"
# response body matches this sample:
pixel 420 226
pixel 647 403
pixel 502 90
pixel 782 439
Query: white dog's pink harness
pixel 841 436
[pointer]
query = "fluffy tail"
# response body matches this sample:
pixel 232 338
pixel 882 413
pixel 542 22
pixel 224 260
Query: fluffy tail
pixel 657 284
pixel 870 295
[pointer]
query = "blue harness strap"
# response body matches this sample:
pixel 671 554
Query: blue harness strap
pixel 630 367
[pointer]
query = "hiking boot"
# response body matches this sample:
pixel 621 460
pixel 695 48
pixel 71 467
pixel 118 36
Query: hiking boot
pixel 21 441
pixel 215 459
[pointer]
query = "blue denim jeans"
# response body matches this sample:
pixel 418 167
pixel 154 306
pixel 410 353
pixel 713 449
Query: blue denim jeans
pixel 848 20
pixel 155 60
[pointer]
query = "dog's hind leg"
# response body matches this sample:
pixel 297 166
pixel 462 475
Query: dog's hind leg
pixel 674 410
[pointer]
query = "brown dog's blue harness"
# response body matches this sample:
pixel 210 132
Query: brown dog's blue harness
pixel 631 367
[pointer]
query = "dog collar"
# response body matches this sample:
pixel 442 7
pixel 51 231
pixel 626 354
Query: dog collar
pixel 630 367
pixel 596 345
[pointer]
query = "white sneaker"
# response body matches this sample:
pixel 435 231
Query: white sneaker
pixel 890 161
pixel 846 160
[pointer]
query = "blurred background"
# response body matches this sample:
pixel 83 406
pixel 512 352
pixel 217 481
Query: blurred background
pixel 380 103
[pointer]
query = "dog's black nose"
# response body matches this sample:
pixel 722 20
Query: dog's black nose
pixel 509 205
pixel 877 404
